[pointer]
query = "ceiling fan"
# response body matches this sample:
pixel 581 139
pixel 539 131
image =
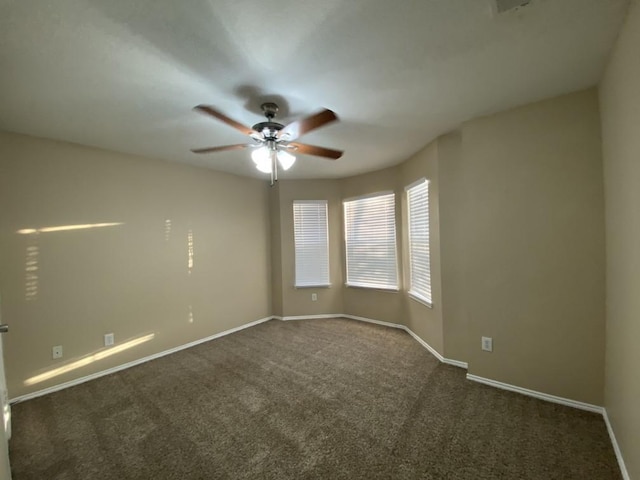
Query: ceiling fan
pixel 273 143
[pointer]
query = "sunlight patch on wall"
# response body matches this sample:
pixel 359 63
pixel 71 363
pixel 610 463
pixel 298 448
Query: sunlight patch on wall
pixel 167 230
pixel 31 269
pixel 64 228
pixel 31 260
pixel 190 250
pixel 6 414
pixel 88 360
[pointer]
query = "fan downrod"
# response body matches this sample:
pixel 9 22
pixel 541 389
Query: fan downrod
pixel 269 128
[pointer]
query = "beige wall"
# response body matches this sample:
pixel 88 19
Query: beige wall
pixel 517 225
pixel 620 104
pixel 395 307
pixel 388 306
pixel 297 301
pixel 424 321
pixel 533 252
pixel 517 230
pixel 131 279
pixel 276 250
pixel 452 198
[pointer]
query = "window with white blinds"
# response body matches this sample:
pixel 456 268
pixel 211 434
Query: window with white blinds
pixel 419 261
pixel 311 233
pixel 370 236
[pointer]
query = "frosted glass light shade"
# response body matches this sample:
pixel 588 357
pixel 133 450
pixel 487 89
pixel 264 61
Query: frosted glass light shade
pixel 260 154
pixel 262 158
pixel 286 159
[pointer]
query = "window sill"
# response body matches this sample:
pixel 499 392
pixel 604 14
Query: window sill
pixel 325 285
pixel 420 299
pixel 368 287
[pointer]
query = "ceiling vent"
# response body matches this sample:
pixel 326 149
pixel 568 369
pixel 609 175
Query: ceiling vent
pixel 503 6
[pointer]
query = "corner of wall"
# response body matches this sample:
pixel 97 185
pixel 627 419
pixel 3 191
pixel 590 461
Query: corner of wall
pixel 276 251
pixel 620 115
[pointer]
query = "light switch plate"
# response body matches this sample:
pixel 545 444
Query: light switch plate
pixel 487 344
pixel 56 352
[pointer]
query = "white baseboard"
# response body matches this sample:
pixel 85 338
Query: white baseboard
pixel 124 366
pixel 616 447
pixel 456 363
pixel 562 401
pixel 533 393
pixel 377 322
pixel 133 363
pixel 433 351
pixel 310 317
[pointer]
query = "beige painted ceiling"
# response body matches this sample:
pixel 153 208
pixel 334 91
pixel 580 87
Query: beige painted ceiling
pixel 124 75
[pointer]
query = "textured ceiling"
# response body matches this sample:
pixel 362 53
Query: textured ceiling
pixel 124 74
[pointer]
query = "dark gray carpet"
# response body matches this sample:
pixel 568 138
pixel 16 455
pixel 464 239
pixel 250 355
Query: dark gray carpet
pixel 318 399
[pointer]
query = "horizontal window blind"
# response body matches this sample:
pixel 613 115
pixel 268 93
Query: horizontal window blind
pixel 370 236
pixel 419 260
pixel 311 232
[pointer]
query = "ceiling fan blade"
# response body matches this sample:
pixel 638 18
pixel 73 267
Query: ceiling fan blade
pixel 221 149
pixel 317 151
pixel 206 109
pixel 304 125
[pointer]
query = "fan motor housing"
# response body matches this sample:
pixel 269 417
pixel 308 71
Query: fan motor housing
pixel 268 129
pixel 269 109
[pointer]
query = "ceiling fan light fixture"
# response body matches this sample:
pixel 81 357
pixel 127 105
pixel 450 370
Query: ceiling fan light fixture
pixel 264 166
pixel 260 154
pixel 272 140
pixel 286 159
pixel 262 158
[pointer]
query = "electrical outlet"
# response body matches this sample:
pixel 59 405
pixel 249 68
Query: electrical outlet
pixel 108 340
pixel 487 344
pixel 56 352
pixel 314 297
